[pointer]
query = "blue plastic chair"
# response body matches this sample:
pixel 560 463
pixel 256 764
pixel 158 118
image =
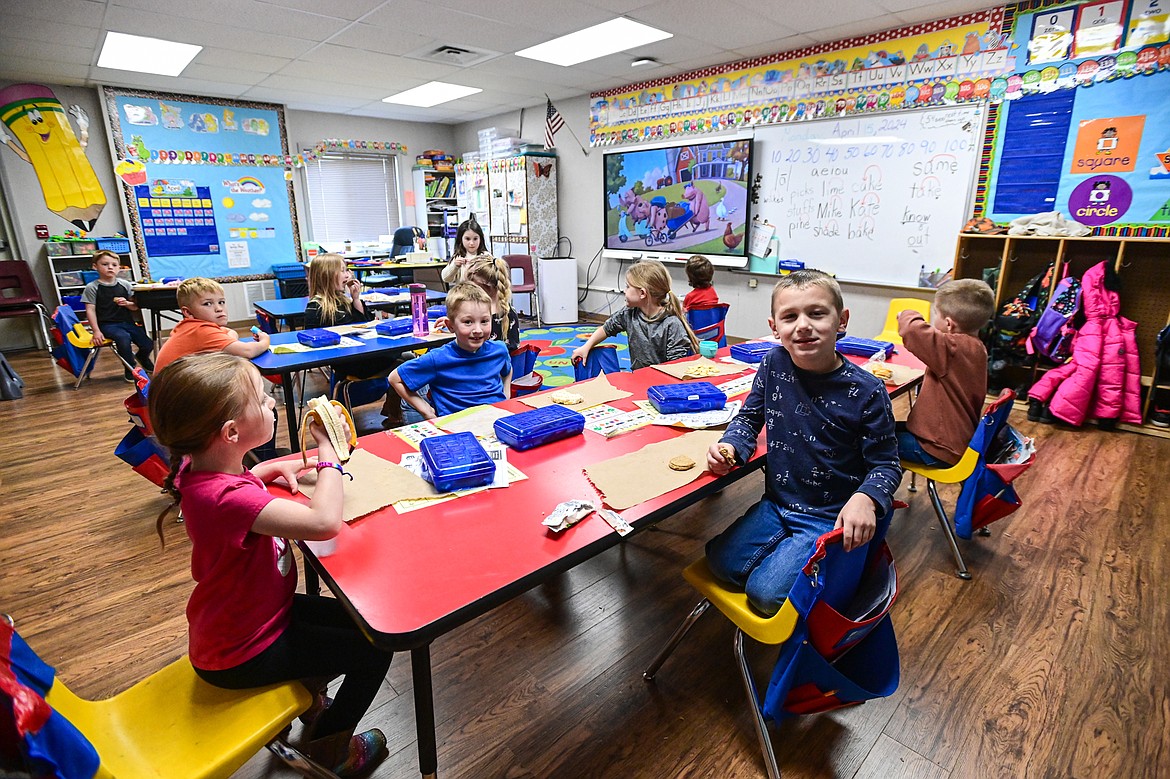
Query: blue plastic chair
pixel 602 359
pixel 524 379
pixel 709 322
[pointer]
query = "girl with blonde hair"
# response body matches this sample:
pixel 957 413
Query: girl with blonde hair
pixel 653 319
pixel 209 410
pixel 335 295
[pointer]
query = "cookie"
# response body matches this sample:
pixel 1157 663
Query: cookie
pixel 681 463
pixel 700 371
pixel 565 398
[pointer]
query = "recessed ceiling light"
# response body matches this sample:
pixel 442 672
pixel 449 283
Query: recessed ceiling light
pixel 431 94
pixel 644 62
pixel 146 55
pixel 593 42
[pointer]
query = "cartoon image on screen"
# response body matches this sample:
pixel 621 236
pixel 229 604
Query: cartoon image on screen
pixel 688 199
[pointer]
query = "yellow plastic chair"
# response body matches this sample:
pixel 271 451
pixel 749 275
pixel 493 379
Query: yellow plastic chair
pixel 81 337
pixel 898 305
pixel 954 474
pixel 173 724
pixel 772 630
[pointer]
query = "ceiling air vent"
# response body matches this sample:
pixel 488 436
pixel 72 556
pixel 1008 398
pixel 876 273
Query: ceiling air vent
pixel 450 54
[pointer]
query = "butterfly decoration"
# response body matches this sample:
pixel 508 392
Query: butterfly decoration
pixel 542 170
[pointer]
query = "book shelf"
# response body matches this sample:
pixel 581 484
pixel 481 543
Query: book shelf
pixel 435 207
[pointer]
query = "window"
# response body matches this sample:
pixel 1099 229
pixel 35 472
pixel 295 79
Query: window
pixel 352 197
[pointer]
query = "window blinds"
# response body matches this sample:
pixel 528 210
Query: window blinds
pixel 352 197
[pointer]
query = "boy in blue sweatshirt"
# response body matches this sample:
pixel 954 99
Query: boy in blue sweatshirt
pixel 832 456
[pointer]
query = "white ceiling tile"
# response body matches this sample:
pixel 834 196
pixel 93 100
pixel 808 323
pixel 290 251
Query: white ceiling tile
pixel 935 10
pixel 36 51
pixel 182 86
pixel 17 25
pixel 792 43
pixel 201 32
pixel 299 99
pixel 458 28
pixel 559 18
pixel 619 7
pixel 246 15
pixel 25 69
pixel 845 31
pixel 311 86
pixel 344 9
pixel 725 25
pixel 86 13
pixel 387 40
pixel 226 75
pixel 218 57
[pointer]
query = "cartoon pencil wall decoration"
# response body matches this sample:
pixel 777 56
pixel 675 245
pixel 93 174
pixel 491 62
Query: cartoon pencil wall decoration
pixel 45 140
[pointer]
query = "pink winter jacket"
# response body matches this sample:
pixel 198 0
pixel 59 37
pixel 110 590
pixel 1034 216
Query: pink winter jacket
pixel 1103 379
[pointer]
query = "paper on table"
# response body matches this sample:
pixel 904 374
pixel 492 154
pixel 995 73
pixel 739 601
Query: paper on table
pixel 376 484
pixel 477 419
pixel 738 386
pixel 708 368
pixel 594 391
pixel 902 374
pixel 695 420
pixel 639 476
pixel 292 348
pixel 413 433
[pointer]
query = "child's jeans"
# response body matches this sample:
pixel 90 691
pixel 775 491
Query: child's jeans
pixel 910 450
pixel 123 334
pixel 764 550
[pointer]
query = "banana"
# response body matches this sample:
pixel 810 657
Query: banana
pixel 333 416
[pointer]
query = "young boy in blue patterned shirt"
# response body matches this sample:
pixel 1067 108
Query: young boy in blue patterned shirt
pixel 832 456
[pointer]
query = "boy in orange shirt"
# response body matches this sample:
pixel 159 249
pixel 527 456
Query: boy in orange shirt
pixel 944 416
pixel 204 326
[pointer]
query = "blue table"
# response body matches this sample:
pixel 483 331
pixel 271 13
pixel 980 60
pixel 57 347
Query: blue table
pixel 284 310
pixel 288 364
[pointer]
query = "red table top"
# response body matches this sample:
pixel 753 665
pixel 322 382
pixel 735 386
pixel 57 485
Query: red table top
pixel 409 578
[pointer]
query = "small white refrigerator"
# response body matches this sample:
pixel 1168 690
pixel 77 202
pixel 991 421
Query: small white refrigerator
pixel 556 283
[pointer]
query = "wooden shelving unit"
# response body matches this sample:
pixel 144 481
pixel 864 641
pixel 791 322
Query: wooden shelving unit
pixel 1142 263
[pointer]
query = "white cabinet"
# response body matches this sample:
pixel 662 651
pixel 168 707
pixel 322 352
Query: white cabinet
pixel 71 272
pixel 515 201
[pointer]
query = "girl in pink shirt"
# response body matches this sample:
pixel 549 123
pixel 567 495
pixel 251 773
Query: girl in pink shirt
pixel 247 625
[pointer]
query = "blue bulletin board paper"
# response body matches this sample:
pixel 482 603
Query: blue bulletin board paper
pixel 188 202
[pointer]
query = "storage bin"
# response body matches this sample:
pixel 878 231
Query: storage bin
pixel 539 426
pixel 456 461
pixel 751 351
pixel 863 347
pixel 74 302
pixel 119 245
pixel 318 337
pixel 291 270
pixel 69 278
pixel 686 398
pixel 398 326
pixel 89 275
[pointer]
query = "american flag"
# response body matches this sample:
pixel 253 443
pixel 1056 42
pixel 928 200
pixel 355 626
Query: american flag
pixel 553 121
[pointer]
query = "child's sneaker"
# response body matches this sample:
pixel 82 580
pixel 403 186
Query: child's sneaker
pixel 1160 417
pixel 366 751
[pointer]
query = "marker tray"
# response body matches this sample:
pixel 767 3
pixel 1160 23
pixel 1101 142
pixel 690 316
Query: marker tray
pixel 539 426
pixel 751 351
pixel 456 461
pixel 399 326
pixel 318 337
pixel 863 347
pixel 686 398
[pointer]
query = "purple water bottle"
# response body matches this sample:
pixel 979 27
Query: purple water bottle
pixel 418 309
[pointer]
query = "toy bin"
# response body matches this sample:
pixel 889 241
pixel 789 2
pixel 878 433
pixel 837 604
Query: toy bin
pixel 119 245
pixel 456 461
pixel 89 275
pixel 69 278
pixel 74 302
pixel 686 398
pixel 751 351
pixel 318 337
pixel 392 327
pixel 863 347
pixel 539 426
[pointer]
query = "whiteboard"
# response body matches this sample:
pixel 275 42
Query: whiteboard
pixel 871 198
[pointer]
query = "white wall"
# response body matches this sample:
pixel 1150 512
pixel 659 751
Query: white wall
pixel 22 191
pixel 580 216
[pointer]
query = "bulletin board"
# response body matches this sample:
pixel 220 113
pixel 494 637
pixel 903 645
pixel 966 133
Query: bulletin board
pixel 206 183
pixel 870 198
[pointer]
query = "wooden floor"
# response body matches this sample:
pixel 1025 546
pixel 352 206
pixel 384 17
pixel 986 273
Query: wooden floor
pixel 1052 662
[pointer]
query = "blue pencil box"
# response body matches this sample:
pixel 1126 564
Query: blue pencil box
pixel 538 426
pixel 318 337
pixel 862 347
pixel 751 351
pixel 398 326
pixel 686 398
pixel 456 461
